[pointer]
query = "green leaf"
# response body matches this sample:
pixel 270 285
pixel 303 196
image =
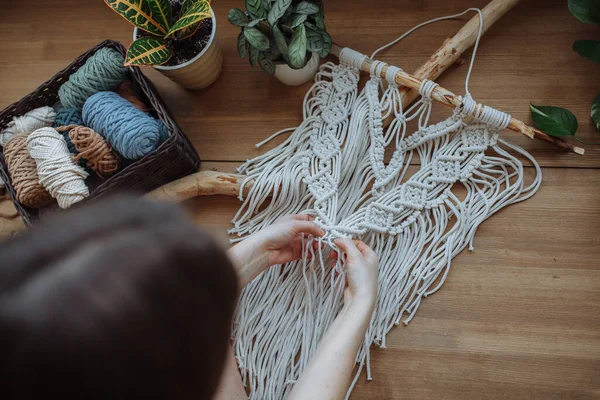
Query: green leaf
pixel 161 11
pixel 278 10
pixel 256 38
pixel 320 17
pixel 272 53
pixel 267 65
pixel 253 56
pixel 589 49
pixel 297 48
pixel 256 8
pixel 306 7
pixel 318 41
pixel 587 11
pixel 596 111
pixel 191 30
pixel 280 40
pixel 148 51
pixel 241 45
pixel 297 20
pixel 237 17
pixel 139 14
pixel 255 22
pixel 199 12
pixel 555 121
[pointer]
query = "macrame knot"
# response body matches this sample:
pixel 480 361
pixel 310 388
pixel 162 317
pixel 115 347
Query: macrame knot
pixel 57 172
pixel 377 67
pixel 34 119
pixel 390 74
pixel 352 57
pixel 426 89
pixel 485 114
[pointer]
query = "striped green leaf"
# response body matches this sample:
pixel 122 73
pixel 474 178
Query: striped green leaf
pixel 297 20
pixel 318 41
pixel 161 11
pixel 306 7
pixel 138 13
pixel 196 14
pixel 277 10
pixel 256 38
pixel 297 48
pixel 241 45
pixel 252 56
pixel 237 17
pixel 189 31
pixel 267 65
pixel 256 9
pixel 280 40
pixel 595 113
pixel 148 51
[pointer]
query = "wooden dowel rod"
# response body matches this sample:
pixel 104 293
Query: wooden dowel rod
pixel 447 98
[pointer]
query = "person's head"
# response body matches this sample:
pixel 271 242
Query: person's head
pixel 120 299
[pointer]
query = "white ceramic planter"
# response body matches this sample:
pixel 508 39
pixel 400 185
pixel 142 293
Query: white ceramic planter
pixel 294 77
pixel 202 70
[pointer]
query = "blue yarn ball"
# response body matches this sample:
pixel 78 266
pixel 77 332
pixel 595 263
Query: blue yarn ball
pixel 68 116
pixel 130 131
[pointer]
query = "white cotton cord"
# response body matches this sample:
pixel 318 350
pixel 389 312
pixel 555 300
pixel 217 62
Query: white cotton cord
pixel 390 74
pixel 483 113
pixel 352 57
pixel 58 173
pixel 34 119
pixel 273 136
pixel 405 34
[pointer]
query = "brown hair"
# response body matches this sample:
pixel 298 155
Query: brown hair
pixel 121 299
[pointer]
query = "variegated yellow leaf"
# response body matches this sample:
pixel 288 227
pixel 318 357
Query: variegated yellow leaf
pixel 148 51
pixel 190 30
pixel 198 12
pixel 139 14
pixel 161 11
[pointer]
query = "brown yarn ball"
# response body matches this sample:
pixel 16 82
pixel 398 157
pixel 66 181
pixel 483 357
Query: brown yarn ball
pixel 95 150
pixel 125 90
pixel 23 172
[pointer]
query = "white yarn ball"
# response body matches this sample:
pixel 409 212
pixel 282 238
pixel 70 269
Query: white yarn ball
pixel 58 173
pixel 34 119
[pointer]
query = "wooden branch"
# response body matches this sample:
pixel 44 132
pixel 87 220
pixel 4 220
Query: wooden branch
pixel 203 183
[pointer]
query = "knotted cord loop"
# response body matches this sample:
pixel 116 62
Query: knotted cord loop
pixel 485 114
pixel 376 68
pixel 426 89
pixel 390 74
pixel 352 57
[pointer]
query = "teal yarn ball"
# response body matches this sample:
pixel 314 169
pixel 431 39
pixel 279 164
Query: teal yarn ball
pixel 68 116
pixel 130 131
pixel 101 72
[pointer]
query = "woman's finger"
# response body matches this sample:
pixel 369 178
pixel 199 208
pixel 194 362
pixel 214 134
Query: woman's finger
pixel 307 227
pixel 349 248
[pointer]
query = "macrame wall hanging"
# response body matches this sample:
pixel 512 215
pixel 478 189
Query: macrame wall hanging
pixel 332 166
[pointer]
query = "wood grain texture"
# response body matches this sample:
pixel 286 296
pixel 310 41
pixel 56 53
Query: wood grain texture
pixel 518 318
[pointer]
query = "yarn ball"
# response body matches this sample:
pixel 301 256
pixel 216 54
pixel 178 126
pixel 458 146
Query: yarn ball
pixel 57 171
pixel 130 131
pixel 125 90
pixel 65 117
pixel 95 150
pixel 23 172
pixel 32 120
pixel 103 71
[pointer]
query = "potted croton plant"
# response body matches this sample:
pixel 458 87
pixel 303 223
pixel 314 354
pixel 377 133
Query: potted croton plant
pixel 285 37
pixel 177 37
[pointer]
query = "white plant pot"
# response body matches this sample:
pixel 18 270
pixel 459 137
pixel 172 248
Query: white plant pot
pixel 202 70
pixel 294 77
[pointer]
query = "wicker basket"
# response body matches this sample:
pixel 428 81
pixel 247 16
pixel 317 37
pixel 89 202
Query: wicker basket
pixel 174 158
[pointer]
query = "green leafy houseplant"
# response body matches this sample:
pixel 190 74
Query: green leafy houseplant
pixel 155 18
pixel 557 121
pixel 287 30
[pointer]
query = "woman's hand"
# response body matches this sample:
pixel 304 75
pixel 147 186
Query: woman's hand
pixel 362 267
pixel 282 241
pixel 277 244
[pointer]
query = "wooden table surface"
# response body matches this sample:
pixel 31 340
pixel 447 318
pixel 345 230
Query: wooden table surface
pixel 517 318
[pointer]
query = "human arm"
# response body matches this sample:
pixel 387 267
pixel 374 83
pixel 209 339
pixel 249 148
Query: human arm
pixel 277 244
pixel 328 373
